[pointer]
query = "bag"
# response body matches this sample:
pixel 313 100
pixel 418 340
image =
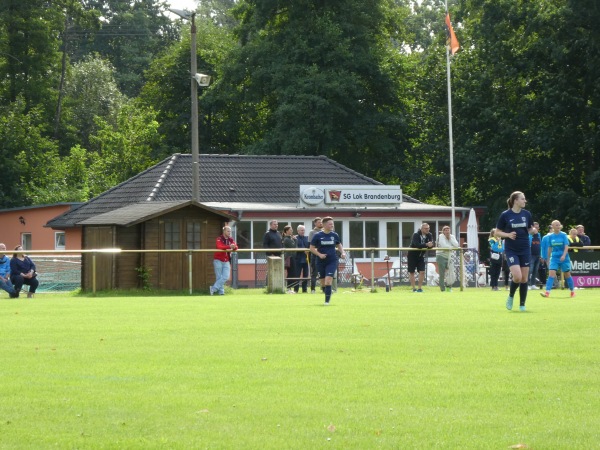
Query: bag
pixel 495 256
pixel 288 262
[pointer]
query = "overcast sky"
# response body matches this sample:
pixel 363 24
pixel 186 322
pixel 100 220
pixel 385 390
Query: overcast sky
pixel 190 5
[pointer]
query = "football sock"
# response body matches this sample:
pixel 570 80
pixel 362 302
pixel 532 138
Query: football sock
pixel 327 293
pixel 570 283
pixel 513 288
pixel 549 283
pixel 523 288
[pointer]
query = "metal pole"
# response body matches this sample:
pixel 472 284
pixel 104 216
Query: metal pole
pixel 195 138
pixel 94 273
pixel 372 270
pixel 191 279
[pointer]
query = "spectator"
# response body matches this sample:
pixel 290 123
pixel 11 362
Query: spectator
pixel 584 238
pixel 222 261
pixel 301 259
pixel 535 241
pixel 5 283
pixel 318 226
pixel 496 257
pixel 443 257
pixel 272 239
pixel 22 271
pixel 574 240
pixel 290 258
pixel 422 239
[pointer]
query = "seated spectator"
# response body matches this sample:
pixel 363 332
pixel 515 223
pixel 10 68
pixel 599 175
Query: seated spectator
pixel 5 283
pixel 22 271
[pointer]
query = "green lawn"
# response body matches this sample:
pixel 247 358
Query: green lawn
pixel 255 371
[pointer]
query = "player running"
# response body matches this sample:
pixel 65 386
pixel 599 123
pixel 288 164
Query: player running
pixel 323 245
pixel 558 248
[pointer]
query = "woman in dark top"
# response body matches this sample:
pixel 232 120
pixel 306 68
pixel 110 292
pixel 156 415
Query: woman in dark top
pixel 22 271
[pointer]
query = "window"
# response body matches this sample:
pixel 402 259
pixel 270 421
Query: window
pixel 392 233
pixel 26 241
pixel 243 238
pixel 59 240
pixel 408 229
pixel 356 238
pixel 193 235
pixel 364 234
pixel 172 236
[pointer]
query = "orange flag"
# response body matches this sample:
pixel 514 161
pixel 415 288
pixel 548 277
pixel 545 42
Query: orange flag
pixel 452 41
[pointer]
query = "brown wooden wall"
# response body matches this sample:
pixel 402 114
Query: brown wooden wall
pixel 98 237
pixel 167 270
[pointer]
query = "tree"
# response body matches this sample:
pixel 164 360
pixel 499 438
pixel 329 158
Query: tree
pixel 91 92
pixel 131 35
pixel 313 78
pixel 123 149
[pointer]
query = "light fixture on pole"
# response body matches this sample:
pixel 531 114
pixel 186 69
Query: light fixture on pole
pixel 195 78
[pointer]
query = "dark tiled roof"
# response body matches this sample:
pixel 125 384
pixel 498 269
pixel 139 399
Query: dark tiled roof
pixel 223 178
pixel 139 212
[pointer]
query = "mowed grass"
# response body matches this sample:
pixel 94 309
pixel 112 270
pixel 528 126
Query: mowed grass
pixel 254 371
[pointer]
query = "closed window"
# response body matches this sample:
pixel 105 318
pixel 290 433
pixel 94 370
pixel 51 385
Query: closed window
pixel 172 236
pixel 59 240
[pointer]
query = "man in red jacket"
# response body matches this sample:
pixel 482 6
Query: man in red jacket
pixel 221 262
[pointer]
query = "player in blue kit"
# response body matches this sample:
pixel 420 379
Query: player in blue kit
pixel 557 254
pixel 324 245
pixel 515 225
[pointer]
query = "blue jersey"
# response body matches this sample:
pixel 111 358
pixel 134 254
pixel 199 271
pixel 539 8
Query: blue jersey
pixel 520 222
pixel 544 246
pixel 326 243
pixel 557 242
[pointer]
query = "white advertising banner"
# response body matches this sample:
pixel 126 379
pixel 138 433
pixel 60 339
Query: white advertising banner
pixel 350 195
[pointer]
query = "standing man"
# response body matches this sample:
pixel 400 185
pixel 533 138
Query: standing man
pixel 272 239
pixel 318 226
pixel 323 246
pixel 535 241
pixel 583 238
pixel 422 239
pixel 5 283
pixel 443 257
pixel 301 261
pixel 222 261
pixel 515 225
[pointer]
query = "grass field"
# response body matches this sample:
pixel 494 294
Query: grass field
pixel 254 371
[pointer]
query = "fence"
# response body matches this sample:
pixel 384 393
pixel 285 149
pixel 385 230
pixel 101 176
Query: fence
pixel 61 270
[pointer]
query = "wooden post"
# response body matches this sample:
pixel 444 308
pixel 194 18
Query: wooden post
pixel 275 275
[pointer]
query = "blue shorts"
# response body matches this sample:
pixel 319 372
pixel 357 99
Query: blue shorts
pixel 564 266
pixel 327 267
pixel 518 259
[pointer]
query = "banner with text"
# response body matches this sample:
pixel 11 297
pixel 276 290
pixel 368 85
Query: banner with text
pixel 585 269
pixel 351 195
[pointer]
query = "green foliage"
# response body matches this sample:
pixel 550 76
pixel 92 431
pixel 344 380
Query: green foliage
pixel 91 93
pixel 145 275
pixel 26 154
pixel 123 149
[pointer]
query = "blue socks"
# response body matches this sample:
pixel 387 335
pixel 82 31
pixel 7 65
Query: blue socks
pixel 550 283
pixel 570 283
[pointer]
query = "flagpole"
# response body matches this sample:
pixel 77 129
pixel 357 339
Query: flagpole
pixel 452 220
pixel 451 143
